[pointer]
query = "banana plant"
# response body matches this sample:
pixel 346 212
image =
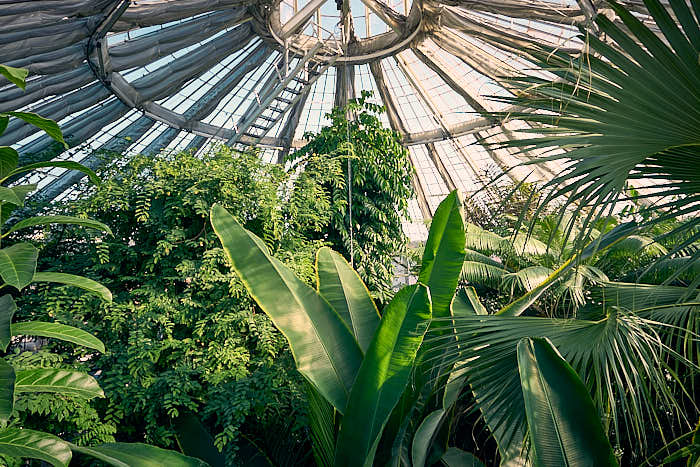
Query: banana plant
pixel 18 269
pixel 358 362
pixel 563 423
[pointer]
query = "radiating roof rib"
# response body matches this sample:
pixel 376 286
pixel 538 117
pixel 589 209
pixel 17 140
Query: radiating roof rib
pixel 129 77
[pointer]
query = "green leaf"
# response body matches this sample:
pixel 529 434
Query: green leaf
pixel 21 191
pixel 384 375
pixel 17 76
pixel 65 382
pixel 4 121
pixel 9 158
pixel 75 281
pixel 324 349
pixel 7 390
pixel 18 442
pixel 59 164
pixel 466 302
pixel 9 196
pixel 46 220
pixel 18 264
pixel 195 441
pixel 455 457
pixel 596 246
pixel 340 285
pixel 7 311
pixel 424 436
pixel 322 427
pixel 58 331
pixel 444 255
pixel 49 126
pixel 563 422
pixel 137 455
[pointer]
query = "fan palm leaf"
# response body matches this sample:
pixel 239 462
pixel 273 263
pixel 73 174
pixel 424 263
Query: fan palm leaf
pixel 619 358
pixel 627 110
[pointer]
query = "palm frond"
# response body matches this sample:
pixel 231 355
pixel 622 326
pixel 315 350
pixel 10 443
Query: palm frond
pixel 485 274
pixel 620 358
pixel 526 279
pixel 627 111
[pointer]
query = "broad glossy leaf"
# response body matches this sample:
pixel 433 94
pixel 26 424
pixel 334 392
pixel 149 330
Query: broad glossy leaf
pixel 195 441
pixel 564 425
pixel 75 281
pixel 46 220
pixel 4 121
pixel 9 158
pixel 322 427
pixel 15 442
pixel 455 457
pixel 137 455
pixel 466 302
pixel 444 255
pixel 324 348
pixel 18 264
pixel 340 285
pixel 7 390
pixel 21 191
pixel 424 436
pixel 58 331
pixel 384 375
pixel 16 76
pixel 9 196
pixel 7 311
pixel 68 382
pixel 49 126
pixel 60 164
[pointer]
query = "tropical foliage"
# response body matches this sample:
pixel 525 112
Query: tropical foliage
pixel 183 334
pixel 362 150
pixel 18 270
pixel 625 112
pixel 359 363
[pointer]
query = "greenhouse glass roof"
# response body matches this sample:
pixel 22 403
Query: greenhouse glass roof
pixel 123 77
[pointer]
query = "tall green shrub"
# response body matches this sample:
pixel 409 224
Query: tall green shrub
pixel 182 332
pixel 380 171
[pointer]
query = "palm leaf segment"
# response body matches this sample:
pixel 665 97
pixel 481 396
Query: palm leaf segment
pixel 626 110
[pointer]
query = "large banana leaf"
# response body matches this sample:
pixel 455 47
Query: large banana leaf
pixel 443 255
pixel 466 302
pixel 66 382
pixel 324 348
pixel 18 264
pixel 7 311
pixel 621 357
pixel 58 331
pixel 7 390
pixel 195 441
pixel 137 455
pixel 563 423
pixel 60 164
pixel 15 442
pixel 383 376
pixel 627 110
pixel 342 287
pixel 322 428
pixel 424 436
